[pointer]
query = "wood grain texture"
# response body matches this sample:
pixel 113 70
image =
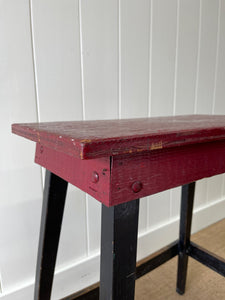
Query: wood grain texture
pixel 126 177
pixel 94 139
pixel 164 169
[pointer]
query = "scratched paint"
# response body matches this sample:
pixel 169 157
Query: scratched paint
pixel 94 139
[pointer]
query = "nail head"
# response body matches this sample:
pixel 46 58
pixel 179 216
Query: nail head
pixel 95 177
pixel 136 186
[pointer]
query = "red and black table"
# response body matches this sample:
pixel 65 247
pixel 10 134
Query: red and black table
pixel 117 162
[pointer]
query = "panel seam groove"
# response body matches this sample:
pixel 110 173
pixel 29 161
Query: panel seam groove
pixel 34 60
pixel 119 61
pixel 176 58
pixel 35 75
pixel 217 57
pixel 1 285
pixel 149 91
pixel 175 85
pixel 81 60
pixel 198 56
pixel 150 59
pixel 83 117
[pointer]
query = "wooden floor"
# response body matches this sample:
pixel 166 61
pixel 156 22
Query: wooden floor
pixel 202 283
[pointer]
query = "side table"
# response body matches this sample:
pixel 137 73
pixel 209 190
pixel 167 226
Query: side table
pixel 117 162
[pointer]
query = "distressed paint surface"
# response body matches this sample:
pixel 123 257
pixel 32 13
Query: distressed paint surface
pixel 56 31
pixel 160 170
pixel 93 139
pixel 178 150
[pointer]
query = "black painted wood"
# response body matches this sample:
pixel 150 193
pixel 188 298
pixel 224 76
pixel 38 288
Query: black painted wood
pixel 51 220
pixel 143 267
pixel 118 251
pixel 187 199
pixel 157 259
pixel 207 258
pixel 92 294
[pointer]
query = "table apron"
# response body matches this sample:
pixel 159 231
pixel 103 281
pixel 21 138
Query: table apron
pixel 151 172
pixel 118 179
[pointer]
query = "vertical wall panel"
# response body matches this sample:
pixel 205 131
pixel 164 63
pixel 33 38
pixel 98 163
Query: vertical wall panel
pixel 185 81
pixel 207 56
pixel 158 209
pixel 214 188
pixel 134 57
pixel 58 67
pixel 220 86
pixel 206 78
pixel 163 47
pixel 163 56
pixel 187 52
pixel 57 59
pixel 99 28
pixel 135 36
pixel 220 76
pixel 175 202
pixel 100 58
pixel 20 179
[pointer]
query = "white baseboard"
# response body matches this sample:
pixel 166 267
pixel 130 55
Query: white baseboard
pixel 81 274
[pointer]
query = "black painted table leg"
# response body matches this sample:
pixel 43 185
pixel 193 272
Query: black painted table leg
pixel 118 251
pixel 186 210
pixel 51 220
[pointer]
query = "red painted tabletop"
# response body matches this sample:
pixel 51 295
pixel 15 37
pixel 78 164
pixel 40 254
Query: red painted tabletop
pixel 93 139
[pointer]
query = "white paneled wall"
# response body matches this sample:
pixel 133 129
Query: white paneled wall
pixel 187 55
pixel 97 59
pixel 20 194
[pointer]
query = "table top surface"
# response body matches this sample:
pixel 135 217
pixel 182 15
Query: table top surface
pixel 94 139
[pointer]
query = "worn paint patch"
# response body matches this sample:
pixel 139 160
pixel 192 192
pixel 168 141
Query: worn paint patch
pixel 86 141
pixel 81 155
pixel 157 145
pixel 38 137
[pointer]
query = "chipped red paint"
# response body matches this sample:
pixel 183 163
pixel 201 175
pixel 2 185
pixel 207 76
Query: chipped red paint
pixel 93 139
pixel 116 161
